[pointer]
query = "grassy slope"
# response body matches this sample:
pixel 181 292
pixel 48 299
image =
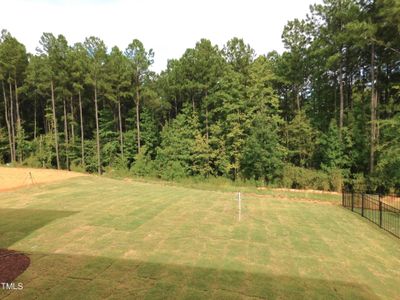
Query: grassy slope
pixel 114 239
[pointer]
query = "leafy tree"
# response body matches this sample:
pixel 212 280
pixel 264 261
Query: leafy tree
pixel 150 136
pixel 229 117
pixel 240 56
pixel 300 140
pixel 263 155
pixel 175 151
pixel 331 148
pixel 388 167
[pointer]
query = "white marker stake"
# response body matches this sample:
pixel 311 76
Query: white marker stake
pixel 240 205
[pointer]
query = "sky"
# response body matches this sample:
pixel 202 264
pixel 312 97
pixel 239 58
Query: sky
pixel 168 27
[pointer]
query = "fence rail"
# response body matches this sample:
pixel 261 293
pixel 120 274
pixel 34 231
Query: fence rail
pixel 376 209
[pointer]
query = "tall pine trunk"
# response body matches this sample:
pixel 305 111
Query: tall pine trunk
pixel 82 134
pixel 17 104
pixel 97 129
pixel 138 117
pixel 53 103
pixel 66 134
pixel 19 128
pixel 341 92
pixel 206 104
pixel 176 106
pixel 72 121
pixel 35 119
pixel 41 147
pixel 341 95
pixel 12 123
pixel 374 102
pixel 7 122
pixel 120 128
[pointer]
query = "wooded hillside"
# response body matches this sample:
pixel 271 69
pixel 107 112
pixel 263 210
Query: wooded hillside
pixel 323 113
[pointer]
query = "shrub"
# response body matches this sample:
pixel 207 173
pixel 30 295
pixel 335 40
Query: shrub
pixel 358 183
pixel 173 170
pixel 76 166
pixel 301 178
pixel 335 180
pixel 120 163
pixel 144 165
pixel 33 161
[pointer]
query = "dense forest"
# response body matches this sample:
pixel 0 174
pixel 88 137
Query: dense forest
pixel 324 113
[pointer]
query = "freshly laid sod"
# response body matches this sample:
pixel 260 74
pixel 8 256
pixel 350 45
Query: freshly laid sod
pixel 97 238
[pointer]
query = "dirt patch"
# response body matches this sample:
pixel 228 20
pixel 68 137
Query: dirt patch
pixel 13 178
pixel 12 264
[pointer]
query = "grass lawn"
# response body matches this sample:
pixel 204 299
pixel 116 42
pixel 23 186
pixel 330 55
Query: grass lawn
pixel 96 238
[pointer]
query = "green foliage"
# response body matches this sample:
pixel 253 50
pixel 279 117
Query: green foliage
pixel 388 169
pixel 173 170
pixel 76 166
pixel 239 55
pixel 201 155
pixel 263 155
pixel 336 179
pixel 90 156
pixel 177 143
pixel 22 146
pixel 332 148
pixel 358 183
pixel 144 165
pixel 301 178
pixel 110 144
pixel 4 146
pixel 149 131
pixel 130 146
pixel 300 137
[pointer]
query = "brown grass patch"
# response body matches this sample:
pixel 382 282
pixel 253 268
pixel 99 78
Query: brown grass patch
pixel 13 178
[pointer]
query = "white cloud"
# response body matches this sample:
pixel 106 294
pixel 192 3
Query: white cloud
pixel 169 27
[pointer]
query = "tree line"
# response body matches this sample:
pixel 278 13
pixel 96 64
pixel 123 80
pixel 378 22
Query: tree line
pixel 324 113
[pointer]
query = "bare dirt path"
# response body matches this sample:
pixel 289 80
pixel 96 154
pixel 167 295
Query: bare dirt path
pixel 12 178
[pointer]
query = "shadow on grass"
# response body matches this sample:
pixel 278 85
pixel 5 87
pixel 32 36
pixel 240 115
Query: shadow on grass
pixel 60 276
pixel 15 224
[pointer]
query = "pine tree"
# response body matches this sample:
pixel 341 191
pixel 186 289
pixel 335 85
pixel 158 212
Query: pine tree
pixel 96 50
pixel 140 60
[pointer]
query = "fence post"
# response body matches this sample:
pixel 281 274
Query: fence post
pixel 352 201
pixel 380 211
pixel 362 204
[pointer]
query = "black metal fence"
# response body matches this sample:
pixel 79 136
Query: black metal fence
pixel 381 210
